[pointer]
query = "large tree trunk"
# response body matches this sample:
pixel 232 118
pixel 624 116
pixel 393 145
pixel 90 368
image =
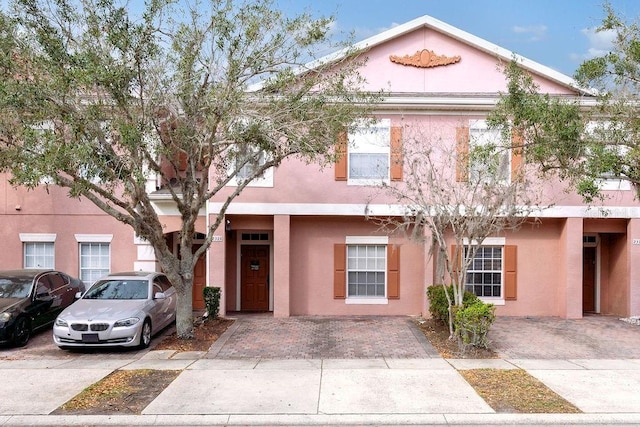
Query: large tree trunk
pixel 184 313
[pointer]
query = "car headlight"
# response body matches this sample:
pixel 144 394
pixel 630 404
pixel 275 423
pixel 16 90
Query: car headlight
pixel 61 322
pixel 5 317
pixel 130 321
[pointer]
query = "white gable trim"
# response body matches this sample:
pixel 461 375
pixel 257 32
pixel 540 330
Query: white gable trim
pixel 458 34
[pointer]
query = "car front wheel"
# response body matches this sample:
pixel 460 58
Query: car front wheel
pixel 145 334
pixel 21 331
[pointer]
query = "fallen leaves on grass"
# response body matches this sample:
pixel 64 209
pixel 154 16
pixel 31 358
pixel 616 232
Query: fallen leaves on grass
pixel 505 390
pixel 125 392
pixel 130 391
pixel 515 391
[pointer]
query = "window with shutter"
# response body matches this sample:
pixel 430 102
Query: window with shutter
pixel 491 274
pixel 504 164
pixel 369 154
pixel 366 270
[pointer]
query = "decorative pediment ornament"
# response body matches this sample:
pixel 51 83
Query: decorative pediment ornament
pixel 424 59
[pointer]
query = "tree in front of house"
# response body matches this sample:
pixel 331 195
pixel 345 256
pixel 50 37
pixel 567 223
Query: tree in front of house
pixel 106 101
pixel 581 143
pixel 461 190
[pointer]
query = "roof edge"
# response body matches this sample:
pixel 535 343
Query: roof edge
pixel 463 36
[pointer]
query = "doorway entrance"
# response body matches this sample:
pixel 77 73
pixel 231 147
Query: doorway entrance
pixel 199 281
pixel 589 279
pixel 254 278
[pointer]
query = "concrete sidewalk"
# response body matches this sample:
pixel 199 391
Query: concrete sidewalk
pixel 321 391
pixel 346 383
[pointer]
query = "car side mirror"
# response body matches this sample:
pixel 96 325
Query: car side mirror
pixel 78 295
pixel 43 296
pixel 159 295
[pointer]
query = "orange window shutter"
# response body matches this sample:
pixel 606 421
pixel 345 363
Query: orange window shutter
pixel 339 271
pixel 462 154
pixel 393 271
pixel 341 156
pixel 396 154
pixel 510 273
pixel 516 155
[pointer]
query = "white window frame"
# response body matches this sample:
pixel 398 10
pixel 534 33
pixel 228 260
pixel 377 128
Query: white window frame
pixel 369 138
pixel 609 184
pixel 491 242
pixel 265 180
pixel 88 239
pixel 481 134
pixel 367 241
pixel 47 240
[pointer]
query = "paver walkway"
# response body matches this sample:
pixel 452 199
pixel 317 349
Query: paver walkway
pixel 320 337
pixel 592 337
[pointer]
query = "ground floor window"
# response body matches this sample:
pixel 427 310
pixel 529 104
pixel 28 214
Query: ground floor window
pixel 39 255
pixel 94 261
pixel 366 270
pixel 484 275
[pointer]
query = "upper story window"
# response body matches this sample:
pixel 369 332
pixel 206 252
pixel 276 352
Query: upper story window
pixel 483 154
pixel 370 154
pixel 369 150
pixel 490 159
pixel 256 161
pixel 610 181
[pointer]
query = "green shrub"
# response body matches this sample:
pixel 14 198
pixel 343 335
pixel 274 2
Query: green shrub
pixel 438 305
pixel 212 301
pixel 472 323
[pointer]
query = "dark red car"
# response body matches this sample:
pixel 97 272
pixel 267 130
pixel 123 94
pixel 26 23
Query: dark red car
pixel 31 299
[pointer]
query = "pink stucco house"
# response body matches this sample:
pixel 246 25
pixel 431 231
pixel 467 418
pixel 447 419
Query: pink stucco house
pixel 298 242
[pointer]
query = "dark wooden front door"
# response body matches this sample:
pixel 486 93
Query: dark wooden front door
pixel 589 280
pixel 254 278
pixel 199 281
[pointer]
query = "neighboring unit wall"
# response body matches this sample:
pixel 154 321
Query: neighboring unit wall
pixel 312 269
pixel 539 269
pixel 40 212
pixel 615 289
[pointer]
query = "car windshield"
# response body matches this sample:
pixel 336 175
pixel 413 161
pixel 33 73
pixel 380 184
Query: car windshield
pixel 118 289
pixel 15 287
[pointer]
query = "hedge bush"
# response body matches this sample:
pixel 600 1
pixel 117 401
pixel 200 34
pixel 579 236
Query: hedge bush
pixel 472 323
pixel 438 306
pixel 211 297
